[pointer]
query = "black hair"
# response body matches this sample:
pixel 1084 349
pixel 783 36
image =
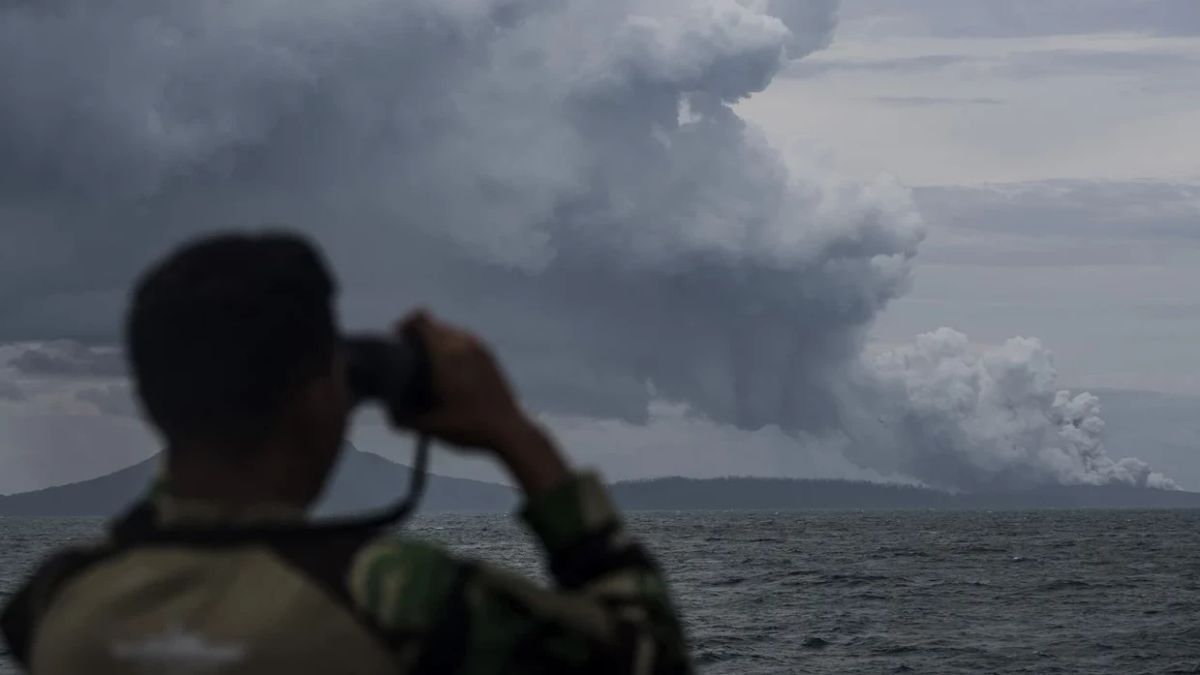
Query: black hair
pixel 222 331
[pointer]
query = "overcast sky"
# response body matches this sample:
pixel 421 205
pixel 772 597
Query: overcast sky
pixel 1050 147
pixel 1055 148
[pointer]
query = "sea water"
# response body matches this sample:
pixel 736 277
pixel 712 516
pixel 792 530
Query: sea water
pixel 902 592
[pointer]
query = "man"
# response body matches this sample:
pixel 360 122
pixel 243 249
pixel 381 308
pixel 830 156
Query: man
pixel 235 352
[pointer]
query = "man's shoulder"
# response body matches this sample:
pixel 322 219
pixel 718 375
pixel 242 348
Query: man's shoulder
pixel 389 558
pixel 403 583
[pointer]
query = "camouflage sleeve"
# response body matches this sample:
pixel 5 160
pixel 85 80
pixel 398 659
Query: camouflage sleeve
pixel 610 613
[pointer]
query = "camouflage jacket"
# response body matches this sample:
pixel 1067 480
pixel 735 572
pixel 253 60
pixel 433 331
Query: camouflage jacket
pixel 352 601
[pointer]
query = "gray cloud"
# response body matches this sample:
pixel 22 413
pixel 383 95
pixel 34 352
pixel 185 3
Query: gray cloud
pixel 114 399
pixel 1062 224
pixel 9 391
pixel 593 204
pixel 919 101
pixel 1082 209
pixel 1025 18
pixel 1188 311
pixel 67 358
pixel 903 64
pixel 1059 62
pixel 1031 64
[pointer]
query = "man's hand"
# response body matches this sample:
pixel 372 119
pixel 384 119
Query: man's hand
pixel 475 406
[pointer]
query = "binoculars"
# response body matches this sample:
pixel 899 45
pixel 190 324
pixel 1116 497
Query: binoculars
pixel 392 371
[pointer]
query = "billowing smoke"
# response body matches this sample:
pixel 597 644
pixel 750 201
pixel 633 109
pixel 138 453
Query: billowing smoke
pixel 977 420
pixel 568 176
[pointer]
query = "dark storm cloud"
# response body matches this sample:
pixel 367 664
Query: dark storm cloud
pixel 506 197
pixel 570 178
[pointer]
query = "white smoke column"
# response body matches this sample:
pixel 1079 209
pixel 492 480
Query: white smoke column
pixel 568 176
pixel 974 420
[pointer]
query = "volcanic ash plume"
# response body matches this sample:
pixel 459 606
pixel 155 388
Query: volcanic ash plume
pixel 977 421
pixel 569 177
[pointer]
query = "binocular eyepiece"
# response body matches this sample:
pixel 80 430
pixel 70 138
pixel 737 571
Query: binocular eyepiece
pixel 393 371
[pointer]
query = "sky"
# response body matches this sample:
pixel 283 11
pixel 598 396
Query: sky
pixel 714 229
pixel 1054 148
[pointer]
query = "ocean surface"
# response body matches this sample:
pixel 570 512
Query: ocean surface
pixel 905 592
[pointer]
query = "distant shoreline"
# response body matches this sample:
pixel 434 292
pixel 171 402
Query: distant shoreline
pixel 366 480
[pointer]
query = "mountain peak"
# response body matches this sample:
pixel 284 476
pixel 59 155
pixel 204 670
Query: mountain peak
pixel 362 481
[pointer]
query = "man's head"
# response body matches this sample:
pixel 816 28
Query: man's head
pixel 234 348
